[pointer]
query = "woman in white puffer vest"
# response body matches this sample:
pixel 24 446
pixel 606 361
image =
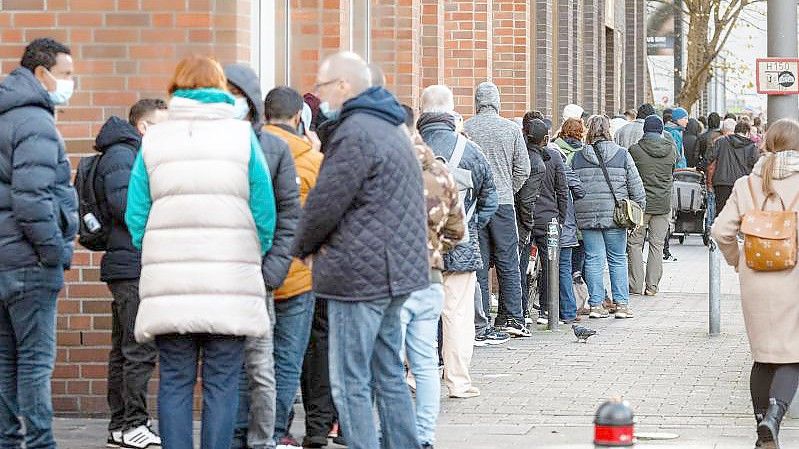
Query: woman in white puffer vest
pixel 201 209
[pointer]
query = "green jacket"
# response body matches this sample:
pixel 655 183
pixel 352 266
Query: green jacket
pixel 654 157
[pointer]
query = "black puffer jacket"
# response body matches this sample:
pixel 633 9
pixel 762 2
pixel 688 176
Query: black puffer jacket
pixel 118 142
pixel 276 263
pixel 365 222
pixel 528 195
pixel 38 205
pixel 553 200
pixel 438 132
pixel 690 142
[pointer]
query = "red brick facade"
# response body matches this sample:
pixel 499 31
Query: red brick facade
pixel 126 49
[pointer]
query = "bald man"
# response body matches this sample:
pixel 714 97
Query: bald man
pixel 364 228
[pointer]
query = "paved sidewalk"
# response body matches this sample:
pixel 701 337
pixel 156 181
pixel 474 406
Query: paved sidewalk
pixel 541 392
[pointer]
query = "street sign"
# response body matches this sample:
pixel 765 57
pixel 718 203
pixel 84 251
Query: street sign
pixel 778 76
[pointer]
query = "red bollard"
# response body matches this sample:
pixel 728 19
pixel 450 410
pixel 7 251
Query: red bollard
pixel 614 424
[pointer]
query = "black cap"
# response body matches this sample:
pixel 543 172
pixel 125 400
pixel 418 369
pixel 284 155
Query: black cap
pixel 537 131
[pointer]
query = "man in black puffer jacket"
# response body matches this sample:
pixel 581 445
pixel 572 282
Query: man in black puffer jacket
pixel 365 227
pixel 38 223
pixel 130 364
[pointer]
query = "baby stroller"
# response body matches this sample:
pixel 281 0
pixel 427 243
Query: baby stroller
pixel 689 204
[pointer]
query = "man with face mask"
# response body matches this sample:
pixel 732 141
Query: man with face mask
pixel 255 424
pixel 130 364
pixel 294 300
pixel 364 230
pixel 38 223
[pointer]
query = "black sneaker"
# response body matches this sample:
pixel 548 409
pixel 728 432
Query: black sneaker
pixel 543 317
pixel 314 441
pixel 490 337
pixel 500 322
pixel 517 329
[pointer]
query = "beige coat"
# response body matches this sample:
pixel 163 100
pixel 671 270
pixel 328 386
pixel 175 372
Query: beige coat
pixel 770 300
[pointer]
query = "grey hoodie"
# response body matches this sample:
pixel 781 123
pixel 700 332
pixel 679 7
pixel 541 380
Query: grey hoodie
pixel 501 141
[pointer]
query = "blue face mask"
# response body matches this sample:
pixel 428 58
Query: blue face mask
pixel 330 114
pixel 241 109
pixel 63 92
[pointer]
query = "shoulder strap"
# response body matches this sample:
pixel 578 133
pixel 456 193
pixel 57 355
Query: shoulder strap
pixel 457 153
pixel 765 200
pixel 605 173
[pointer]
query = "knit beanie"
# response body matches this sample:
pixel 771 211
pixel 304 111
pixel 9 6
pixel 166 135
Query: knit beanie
pixel 645 110
pixel 653 124
pixel 678 113
pixel 572 111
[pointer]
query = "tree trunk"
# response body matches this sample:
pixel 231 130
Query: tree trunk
pixel 699 52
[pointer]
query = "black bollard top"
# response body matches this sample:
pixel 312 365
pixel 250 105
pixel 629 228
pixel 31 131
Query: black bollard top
pixel 614 413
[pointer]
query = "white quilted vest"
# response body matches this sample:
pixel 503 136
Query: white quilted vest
pixel 201 256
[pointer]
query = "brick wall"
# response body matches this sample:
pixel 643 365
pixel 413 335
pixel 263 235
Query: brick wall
pixel 541 53
pixel 123 50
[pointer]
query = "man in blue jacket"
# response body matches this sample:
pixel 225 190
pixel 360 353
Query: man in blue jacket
pixel 38 223
pixel 364 229
pixel 130 364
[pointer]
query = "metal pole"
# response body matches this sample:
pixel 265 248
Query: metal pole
pixel 553 275
pixel 714 297
pixel 782 43
pixel 678 46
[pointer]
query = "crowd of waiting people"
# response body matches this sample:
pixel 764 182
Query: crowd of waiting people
pixel 324 243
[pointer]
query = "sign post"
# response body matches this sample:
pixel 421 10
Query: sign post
pixel 782 45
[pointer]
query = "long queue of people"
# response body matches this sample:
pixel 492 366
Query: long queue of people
pixel 325 243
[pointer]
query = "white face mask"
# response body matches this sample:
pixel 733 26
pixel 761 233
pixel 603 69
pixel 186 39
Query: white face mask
pixel 241 108
pixel 63 91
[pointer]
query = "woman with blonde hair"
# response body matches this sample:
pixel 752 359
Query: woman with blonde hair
pixel 201 209
pixel 768 298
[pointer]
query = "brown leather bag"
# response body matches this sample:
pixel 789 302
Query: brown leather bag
pixel 770 241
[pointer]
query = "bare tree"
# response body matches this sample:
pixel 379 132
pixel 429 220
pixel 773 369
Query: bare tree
pixel 710 23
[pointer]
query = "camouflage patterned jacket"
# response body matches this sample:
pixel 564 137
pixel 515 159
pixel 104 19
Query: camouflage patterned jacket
pixel 445 220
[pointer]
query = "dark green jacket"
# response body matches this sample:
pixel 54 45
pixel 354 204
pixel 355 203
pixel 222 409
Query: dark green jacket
pixel 655 158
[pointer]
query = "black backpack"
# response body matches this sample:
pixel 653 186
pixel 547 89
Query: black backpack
pixel 94 229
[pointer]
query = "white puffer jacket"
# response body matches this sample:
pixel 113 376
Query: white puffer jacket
pixel 201 255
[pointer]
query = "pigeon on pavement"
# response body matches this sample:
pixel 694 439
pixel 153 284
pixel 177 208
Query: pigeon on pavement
pixel 582 333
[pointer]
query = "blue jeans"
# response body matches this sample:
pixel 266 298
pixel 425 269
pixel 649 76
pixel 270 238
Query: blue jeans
pixel 568 305
pixel 27 355
pixel 499 243
pixel 222 358
pixel 292 330
pixel 420 315
pixel 606 245
pixel 365 340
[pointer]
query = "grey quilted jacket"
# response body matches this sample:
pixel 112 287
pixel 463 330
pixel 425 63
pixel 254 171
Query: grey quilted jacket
pixel 365 222
pixel 438 132
pixel 595 209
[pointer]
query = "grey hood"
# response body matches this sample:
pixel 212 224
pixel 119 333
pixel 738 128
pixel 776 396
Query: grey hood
pixel 243 77
pixel 487 96
pixel 608 149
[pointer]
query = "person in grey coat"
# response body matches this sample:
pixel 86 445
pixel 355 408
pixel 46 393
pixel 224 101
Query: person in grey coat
pixel 632 132
pixel 255 423
pixel 604 241
pixel 503 144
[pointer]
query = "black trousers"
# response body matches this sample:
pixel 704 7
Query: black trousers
pixel 317 400
pixel 772 380
pixel 130 364
pixel 722 195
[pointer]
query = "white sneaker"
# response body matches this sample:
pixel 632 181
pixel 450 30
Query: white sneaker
pixel 139 438
pixel 114 439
